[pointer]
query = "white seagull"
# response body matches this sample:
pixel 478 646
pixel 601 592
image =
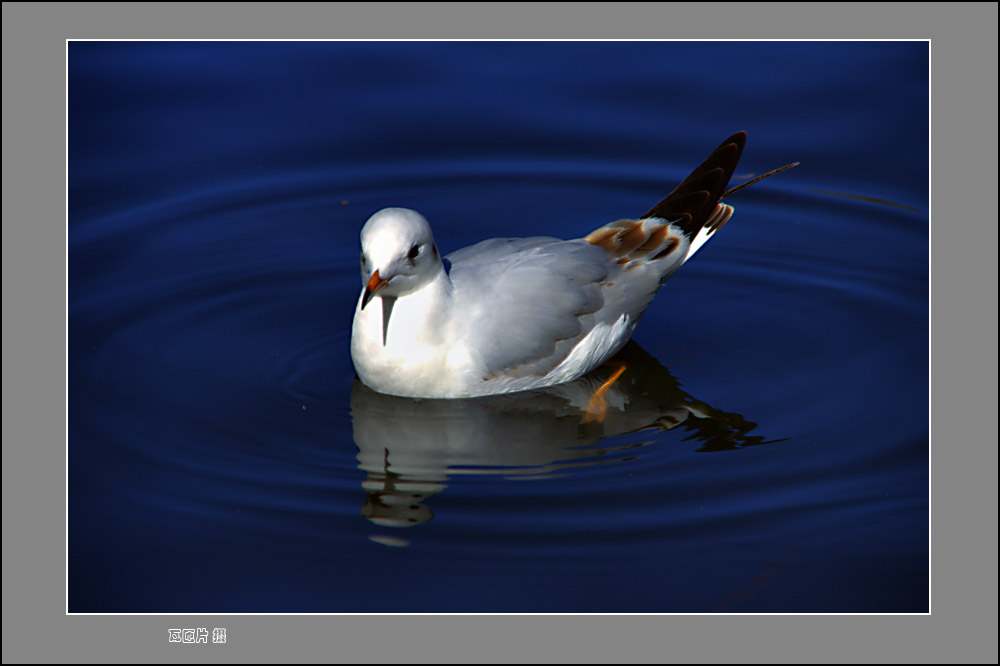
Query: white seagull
pixel 515 314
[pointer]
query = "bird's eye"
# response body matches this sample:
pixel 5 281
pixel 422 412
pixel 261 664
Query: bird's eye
pixel 363 259
pixel 414 251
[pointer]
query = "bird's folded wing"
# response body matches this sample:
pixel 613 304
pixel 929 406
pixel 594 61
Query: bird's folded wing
pixel 524 303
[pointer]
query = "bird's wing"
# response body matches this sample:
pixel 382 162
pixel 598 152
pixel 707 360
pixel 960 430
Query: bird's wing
pixel 524 303
pixel 496 249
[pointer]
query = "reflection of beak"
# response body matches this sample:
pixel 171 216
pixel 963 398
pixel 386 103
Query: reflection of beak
pixel 375 285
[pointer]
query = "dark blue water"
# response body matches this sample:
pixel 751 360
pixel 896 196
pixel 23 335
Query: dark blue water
pixel 766 449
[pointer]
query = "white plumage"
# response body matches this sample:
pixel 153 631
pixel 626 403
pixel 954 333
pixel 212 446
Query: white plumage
pixel 509 315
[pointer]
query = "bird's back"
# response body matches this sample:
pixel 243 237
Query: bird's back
pixel 541 310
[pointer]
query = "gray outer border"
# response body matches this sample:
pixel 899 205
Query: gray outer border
pixel 962 626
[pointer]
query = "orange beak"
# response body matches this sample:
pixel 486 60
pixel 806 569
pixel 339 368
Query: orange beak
pixel 375 285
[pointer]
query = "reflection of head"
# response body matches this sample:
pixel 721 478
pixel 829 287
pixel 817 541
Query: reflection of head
pixel 394 502
pixel 390 509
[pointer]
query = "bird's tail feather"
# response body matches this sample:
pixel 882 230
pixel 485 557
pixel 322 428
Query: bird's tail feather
pixel 693 210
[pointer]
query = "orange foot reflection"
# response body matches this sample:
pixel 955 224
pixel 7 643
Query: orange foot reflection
pixel 598 405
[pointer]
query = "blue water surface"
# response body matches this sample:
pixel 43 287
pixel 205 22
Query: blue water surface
pixel 765 450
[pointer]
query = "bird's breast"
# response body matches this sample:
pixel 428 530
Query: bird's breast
pixel 405 348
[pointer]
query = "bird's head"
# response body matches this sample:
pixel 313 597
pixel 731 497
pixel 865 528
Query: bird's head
pixel 398 254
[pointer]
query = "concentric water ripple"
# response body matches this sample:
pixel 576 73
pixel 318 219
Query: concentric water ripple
pixel 771 424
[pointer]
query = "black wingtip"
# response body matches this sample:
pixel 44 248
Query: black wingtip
pixel 694 200
pixel 739 138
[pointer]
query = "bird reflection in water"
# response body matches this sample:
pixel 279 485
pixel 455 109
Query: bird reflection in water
pixel 409 448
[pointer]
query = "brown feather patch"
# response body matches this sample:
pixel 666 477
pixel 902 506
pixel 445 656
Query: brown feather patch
pixel 674 242
pixel 609 236
pixel 655 240
pixel 631 239
pixel 721 215
pixel 603 237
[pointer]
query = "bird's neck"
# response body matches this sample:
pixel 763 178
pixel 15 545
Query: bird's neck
pixel 418 315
